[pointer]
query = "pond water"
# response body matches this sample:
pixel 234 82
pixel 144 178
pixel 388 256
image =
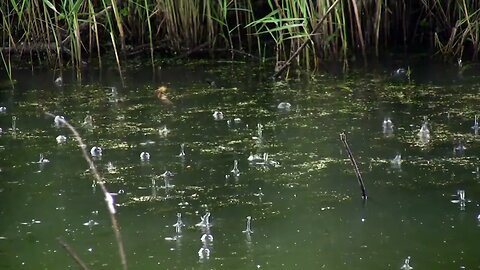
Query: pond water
pixel 304 200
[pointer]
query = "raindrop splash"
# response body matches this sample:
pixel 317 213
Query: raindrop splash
pixel 248 229
pixel 406 264
pixel 235 171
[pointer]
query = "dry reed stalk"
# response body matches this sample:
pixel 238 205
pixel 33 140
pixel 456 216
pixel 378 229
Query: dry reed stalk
pixel 288 62
pixel 73 254
pixel 343 138
pixel 108 197
pixel 359 27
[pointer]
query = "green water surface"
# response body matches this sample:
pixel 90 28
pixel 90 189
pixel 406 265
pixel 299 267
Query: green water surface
pixel 311 215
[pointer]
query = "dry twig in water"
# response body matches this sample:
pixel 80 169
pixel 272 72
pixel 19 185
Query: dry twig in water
pixel 108 197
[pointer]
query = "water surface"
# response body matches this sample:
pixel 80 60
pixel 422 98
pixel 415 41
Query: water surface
pixel 311 215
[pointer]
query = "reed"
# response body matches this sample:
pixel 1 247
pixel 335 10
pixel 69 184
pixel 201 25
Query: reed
pixel 65 32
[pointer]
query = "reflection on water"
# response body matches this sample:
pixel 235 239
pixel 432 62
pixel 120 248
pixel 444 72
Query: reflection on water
pixel 236 154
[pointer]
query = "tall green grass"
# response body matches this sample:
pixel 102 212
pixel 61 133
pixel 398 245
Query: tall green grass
pixel 68 32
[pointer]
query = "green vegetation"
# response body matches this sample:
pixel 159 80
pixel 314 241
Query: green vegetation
pixel 68 32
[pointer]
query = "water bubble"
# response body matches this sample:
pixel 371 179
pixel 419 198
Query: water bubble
pixel 61 139
pixel 204 253
pixel 284 106
pixel 96 151
pixel 206 238
pixel 217 115
pixel 59 81
pixel 144 156
pixel 59 120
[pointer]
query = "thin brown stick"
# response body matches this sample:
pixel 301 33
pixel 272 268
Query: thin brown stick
pixel 72 253
pixel 108 196
pixel 359 27
pixel 289 61
pixel 343 138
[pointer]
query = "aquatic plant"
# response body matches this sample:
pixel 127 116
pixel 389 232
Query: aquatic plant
pixel 69 32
